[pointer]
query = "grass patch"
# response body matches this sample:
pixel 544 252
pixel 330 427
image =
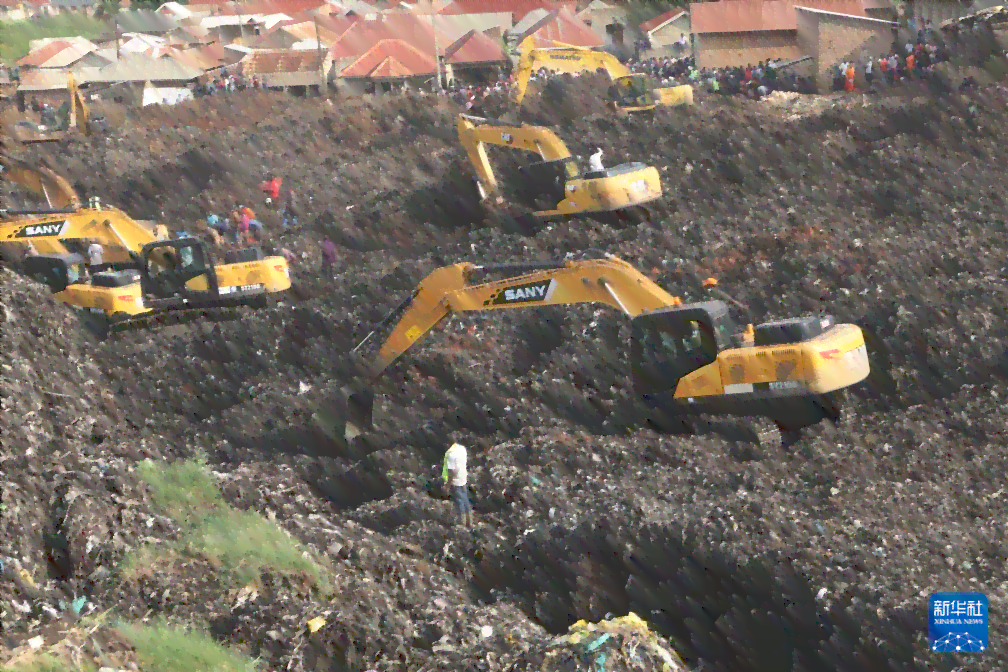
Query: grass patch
pixel 15 36
pixel 41 663
pixel 241 544
pixel 162 648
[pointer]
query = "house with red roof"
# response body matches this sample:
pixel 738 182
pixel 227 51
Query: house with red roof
pixel 665 34
pixel 398 48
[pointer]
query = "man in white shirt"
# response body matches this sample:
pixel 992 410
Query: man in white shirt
pixel 454 476
pixel 595 162
pixel 94 253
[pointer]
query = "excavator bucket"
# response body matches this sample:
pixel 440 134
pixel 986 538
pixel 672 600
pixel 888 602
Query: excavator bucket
pixel 357 406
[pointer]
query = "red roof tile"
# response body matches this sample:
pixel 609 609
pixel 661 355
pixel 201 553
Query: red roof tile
pixel 474 47
pixel 40 57
pixel 560 27
pixel 391 59
pixel 742 16
pixel 288 7
pixel 661 18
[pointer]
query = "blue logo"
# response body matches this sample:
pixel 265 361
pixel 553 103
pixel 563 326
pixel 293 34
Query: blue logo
pixel 957 622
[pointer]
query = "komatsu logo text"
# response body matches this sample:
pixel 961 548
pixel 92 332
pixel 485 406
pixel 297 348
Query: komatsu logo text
pixel 527 293
pixel 40 230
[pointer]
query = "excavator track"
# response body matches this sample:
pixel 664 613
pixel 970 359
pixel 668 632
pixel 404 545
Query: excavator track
pixel 175 316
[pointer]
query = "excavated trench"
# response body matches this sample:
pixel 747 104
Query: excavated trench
pixel 721 611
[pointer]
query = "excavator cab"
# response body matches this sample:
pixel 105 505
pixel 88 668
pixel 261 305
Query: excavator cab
pixel 56 271
pixel 173 270
pixel 634 91
pixel 544 183
pixel 671 343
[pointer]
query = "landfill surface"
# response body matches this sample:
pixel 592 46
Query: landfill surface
pixel 740 551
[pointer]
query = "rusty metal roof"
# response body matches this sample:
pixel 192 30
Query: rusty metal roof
pixel 745 16
pixel 282 60
pixel 391 59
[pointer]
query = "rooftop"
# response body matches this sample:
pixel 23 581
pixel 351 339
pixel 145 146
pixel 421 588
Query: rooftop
pixel 662 19
pixel 391 59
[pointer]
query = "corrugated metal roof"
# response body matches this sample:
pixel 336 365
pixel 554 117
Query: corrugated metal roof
pixel 282 60
pixel 661 20
pixel 744 16
pixel 391 59
pixel 207 57
pixel 144 21
pixel 138 68
pixel 517 8
pixel 560 28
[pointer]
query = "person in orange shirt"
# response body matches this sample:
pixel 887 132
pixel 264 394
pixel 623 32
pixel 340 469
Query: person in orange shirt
pixel 849 84
pixel 910 63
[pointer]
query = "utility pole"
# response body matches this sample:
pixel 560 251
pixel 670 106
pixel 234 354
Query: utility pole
pixel 115 24
pixel 323 84
pixel 437 62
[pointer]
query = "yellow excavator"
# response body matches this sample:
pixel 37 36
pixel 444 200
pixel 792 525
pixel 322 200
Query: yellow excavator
pixel 556 186
pixel 145 278
pixel 57 124
pixel 630 92
pixel 685 358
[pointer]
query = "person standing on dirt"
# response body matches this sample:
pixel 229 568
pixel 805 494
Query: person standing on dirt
pixel 453 474
pixel 329 255
pixel 868 74
pixel 290 212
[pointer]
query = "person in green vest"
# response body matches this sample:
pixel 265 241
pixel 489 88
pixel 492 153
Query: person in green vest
pixel 453 474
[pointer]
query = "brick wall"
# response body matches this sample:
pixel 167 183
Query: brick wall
pixel 722 50
pixel 838 37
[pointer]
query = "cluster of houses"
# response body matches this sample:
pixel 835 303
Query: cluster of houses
pixel 357 46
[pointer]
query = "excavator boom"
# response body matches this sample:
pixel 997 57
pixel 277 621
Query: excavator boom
pixel 566 60
pixel 447 290
pixel 41 181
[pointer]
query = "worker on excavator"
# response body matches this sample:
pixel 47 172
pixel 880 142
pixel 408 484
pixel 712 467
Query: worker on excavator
pixel 595 162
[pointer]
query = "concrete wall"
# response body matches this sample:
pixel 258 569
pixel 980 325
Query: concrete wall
pixel 842 38
pixel 808 33
pixel 938 10
pixel 663 40
pixel 719 50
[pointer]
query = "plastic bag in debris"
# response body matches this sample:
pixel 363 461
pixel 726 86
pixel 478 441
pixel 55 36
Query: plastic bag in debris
pixel 615 645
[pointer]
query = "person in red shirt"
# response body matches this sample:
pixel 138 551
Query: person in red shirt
pixel 272 189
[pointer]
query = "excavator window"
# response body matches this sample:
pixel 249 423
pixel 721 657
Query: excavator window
pixel 667 346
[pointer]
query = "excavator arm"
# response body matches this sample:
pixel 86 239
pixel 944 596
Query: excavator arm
pixel 446 290
pixel 110 227
pixel 40 181
pixel 475 132
pixel 80 114
pixel 567 60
